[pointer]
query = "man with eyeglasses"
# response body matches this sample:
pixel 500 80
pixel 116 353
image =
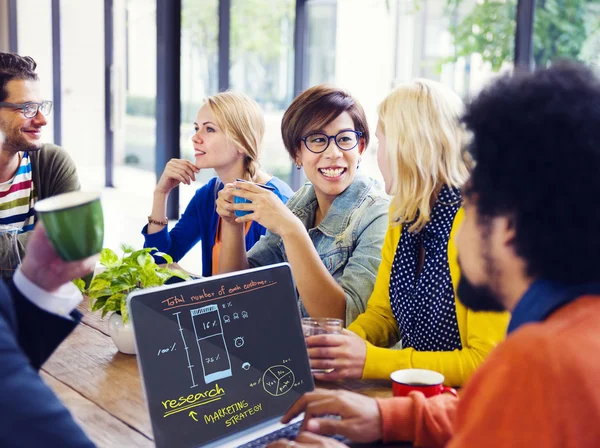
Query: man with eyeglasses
pixel 29 170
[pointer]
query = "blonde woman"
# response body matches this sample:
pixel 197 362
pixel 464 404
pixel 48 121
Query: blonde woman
pixel 414 299
pixel 229 131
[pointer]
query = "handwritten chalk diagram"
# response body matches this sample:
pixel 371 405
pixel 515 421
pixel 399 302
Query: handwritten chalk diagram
pixel 236 316
pixel 278 380
pixel 214 352
pixel 186 348
pixel 216 363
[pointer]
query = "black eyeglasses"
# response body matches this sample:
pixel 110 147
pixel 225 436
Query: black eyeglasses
pixel 31 109
pixel 319 142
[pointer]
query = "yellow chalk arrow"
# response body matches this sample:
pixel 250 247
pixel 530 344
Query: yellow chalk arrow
pixel 193 415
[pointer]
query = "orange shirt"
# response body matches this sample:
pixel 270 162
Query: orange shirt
pixel 216 250
pixel 538 388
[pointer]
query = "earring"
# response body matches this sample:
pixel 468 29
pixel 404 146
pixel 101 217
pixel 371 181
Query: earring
pixel 358 164
pixel 298 166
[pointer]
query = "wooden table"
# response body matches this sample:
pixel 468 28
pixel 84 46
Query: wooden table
pixel 102 387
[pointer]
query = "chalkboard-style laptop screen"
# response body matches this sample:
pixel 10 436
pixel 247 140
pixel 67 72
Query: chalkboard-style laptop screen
pixel 220 355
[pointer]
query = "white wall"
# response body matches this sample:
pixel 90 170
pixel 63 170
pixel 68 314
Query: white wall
pixel 34 38
pixel 142 48
pixel 364 61
pixel 82 71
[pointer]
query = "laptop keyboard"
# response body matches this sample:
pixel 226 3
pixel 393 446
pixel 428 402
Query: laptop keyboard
pixel 289 432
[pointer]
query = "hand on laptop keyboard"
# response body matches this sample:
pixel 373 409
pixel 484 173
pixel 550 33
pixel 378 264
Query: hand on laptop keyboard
pixel 359 418
pixel 282 437
pixel 308 439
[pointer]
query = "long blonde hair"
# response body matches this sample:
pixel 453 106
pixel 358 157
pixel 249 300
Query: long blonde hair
pixel 424 140
pixel 243 122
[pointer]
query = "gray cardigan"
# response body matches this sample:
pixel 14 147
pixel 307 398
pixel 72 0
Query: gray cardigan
pixel 53 172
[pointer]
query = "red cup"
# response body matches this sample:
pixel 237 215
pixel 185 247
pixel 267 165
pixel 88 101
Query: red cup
pixel 428 382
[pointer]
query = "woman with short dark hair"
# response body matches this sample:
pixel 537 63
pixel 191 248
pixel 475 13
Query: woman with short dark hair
pixel 332 229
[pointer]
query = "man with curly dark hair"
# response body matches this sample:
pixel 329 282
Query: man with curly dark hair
pixel 529 243
pixel 29 170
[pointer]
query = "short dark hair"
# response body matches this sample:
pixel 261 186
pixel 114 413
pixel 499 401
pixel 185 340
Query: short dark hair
pixel 536 147
pixel 316 107
pixel 13 66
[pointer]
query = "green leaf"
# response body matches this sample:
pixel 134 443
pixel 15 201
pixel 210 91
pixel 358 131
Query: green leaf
pixel 132 258
pixel 150 278
pixel 99 303
pixel 100 281
pixel 80 285
pixel 124 283
pixel 145 259
pixel 168 273
pixel 101 293
pixel 108 258
pixel 104 275
pixel 124 271
pixel 168 259
pixel 113 303
pixel 124 311
pixel 99 287
pixel 180 274
pixel 126 248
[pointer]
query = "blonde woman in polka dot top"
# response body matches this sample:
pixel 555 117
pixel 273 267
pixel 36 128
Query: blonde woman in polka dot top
pixel 414 299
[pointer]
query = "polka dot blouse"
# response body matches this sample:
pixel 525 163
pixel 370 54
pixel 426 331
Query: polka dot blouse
pixel 424 305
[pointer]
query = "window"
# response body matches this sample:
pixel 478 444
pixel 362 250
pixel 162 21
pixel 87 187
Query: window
pixel 199 76
pixel 39 19
pixel 382 43
pixel 262 66
pixel 569 30
pixel 321 55
pixel 134 79
pixel 82 79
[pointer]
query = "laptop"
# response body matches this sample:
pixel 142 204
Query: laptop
pixel 221 358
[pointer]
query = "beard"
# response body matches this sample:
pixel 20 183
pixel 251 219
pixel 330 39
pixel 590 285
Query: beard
pixel 19 144
pixel 482 297
pixel 477 298
pixel 14 141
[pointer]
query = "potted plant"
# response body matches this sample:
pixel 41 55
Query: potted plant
pixel 109 289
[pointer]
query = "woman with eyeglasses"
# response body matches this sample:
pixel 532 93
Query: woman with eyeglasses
pixel 332 229
pixel 415 299
pixel 229 132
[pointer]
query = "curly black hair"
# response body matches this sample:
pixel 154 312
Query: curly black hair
pixel 13 66
pixel 536 148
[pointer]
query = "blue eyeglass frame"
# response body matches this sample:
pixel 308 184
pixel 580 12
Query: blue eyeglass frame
pixel 334 137
pixel 23 106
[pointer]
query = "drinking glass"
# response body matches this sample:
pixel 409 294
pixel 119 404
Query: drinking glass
pixel 324 325
pixel 10 258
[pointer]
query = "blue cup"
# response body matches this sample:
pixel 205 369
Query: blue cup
pixel 239 200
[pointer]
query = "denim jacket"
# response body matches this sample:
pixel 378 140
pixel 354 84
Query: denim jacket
pixel 348 239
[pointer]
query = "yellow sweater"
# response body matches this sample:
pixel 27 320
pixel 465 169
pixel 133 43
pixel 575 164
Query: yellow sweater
pixel 479 332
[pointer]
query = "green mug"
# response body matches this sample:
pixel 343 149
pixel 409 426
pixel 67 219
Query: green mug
pixel 74 223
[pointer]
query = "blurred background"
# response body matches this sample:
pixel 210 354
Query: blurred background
pixel 128 76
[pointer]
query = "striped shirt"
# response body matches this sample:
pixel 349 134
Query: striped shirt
pixel 17 198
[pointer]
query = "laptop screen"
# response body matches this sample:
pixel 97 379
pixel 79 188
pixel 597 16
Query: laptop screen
pixel 219 355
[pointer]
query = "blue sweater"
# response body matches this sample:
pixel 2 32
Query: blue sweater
pixel 199 223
